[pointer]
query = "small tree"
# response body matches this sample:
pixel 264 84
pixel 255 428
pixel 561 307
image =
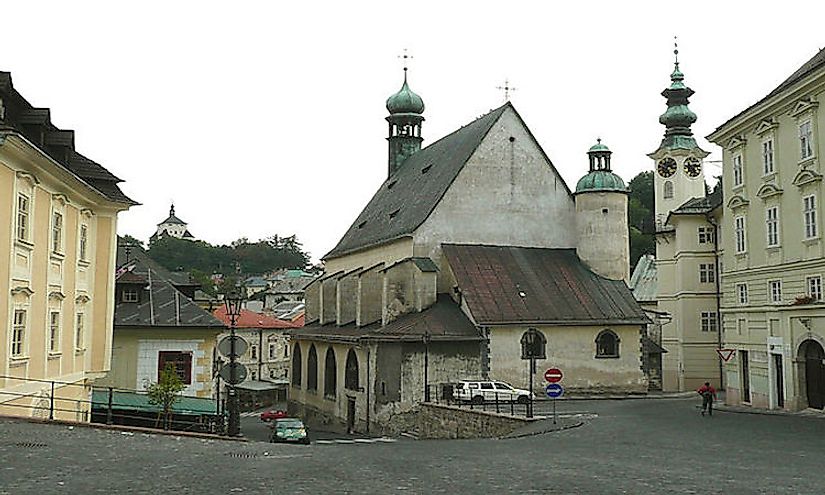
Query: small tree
pixel 165 393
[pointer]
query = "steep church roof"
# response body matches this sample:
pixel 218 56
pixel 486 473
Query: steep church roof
pixel 520 285
pixel 408 196
pixel 644 280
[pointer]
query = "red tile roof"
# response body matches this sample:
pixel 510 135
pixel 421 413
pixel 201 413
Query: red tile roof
pixel 507 284
pixel 251 319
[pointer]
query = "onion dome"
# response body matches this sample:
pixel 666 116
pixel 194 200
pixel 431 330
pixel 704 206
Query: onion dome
pixel 405 101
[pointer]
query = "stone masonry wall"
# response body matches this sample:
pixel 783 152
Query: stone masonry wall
pixel 370 288
pixel 442 421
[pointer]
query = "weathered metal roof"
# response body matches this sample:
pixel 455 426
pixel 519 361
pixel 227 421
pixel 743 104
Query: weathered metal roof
pixel 507 284
pixel 443 321
pixel 700 206
pixel 407 197
pixel 643 281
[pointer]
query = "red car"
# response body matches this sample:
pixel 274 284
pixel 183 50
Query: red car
pixel 270 415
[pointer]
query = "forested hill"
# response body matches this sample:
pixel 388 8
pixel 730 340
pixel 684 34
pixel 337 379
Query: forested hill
pixel 241 257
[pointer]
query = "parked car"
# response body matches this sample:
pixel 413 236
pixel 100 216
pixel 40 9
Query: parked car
pixel 478 392
pixel 270 415
pixel 289 430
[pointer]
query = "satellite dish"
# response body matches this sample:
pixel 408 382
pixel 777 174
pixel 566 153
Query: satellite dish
pixel 225 345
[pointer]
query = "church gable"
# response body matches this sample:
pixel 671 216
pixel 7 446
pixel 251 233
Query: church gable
pixel 508 193
pixel 409 195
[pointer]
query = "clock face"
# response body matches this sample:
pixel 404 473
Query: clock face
pixel 693 167
pixel 667 167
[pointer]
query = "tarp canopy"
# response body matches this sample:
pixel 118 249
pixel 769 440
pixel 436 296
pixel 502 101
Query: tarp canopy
pixel 134 401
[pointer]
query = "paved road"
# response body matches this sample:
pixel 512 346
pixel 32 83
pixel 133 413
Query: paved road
pixel 634 446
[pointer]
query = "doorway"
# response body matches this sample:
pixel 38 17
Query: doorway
pixel 780 381
pixel 814 355
pixel 746 376
pixel 350 415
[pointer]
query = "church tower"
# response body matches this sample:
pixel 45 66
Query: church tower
pixel 601 217
pixel 679 172
pixel 405 120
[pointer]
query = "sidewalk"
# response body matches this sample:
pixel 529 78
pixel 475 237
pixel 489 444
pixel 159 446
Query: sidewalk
pixel 805 413
pixel 637 396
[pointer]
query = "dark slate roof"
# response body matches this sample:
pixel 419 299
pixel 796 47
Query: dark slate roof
pixel 700 206
pixel 407 197
pixel 161 305
pixel 519 285
pixel 35 125
pixel 815 63
pixel 444 321
pixel 173 219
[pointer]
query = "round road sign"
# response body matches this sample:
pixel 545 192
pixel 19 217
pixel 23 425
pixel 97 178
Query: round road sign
pixel 240 373
pixel 553 375
pixel 554 390
pixel 225 345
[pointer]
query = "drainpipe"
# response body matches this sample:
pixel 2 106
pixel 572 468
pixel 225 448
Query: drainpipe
pixel 715 225
pixel 260 352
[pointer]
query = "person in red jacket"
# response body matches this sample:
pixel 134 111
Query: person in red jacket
pixel 708 394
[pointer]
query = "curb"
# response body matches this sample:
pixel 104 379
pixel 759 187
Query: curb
pixel 122 428
pixel 542 432
pixel 767 412
pixel 679 395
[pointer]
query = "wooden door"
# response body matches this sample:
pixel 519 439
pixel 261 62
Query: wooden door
pixel 815 374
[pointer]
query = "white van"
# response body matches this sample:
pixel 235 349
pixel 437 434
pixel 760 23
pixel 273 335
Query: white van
pixel 478 392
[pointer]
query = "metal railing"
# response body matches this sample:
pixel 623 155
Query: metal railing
pixel 47 402
pixel 484 400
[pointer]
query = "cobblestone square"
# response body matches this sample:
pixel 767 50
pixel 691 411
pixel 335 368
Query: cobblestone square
pixel 630 446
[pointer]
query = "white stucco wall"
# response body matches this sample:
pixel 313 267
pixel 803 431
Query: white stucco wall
pixel 506 194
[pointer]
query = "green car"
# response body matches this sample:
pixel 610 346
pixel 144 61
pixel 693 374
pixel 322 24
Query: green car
pixel 289 430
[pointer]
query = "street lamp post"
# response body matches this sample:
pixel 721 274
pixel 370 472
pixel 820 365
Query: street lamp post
pixel 233 302
pixel 531 342
pixel 426 339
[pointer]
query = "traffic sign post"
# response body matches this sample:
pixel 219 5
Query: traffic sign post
pixel 725 354
pixel 553 389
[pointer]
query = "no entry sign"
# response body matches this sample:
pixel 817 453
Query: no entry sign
pixel 553 375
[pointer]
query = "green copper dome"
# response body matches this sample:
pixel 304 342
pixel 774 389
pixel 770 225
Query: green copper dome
pixel 598 147
pixel 601 180
pixel 405 101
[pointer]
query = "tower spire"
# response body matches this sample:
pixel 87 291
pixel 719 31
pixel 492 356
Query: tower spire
pixel 678 118
pixel 405 121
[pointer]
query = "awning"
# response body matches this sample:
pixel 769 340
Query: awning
pixel 260 386
pixel 134 401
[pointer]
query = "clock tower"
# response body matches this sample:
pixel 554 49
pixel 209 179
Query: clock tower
pixel 679 172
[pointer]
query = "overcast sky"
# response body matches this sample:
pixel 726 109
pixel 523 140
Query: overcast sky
pixel 261 118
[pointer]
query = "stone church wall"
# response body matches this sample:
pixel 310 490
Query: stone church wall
pixel 508 193
pixel 369 298
pixel 572 349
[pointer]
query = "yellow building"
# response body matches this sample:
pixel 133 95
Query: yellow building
pixel 60 209
pixel 772 252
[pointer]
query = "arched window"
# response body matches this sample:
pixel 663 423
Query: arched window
pixel 607 344
pixel 533 344
pixel 351 376
pixel 668 189
pixel 312 369
pixel 330 374
pixel 296 365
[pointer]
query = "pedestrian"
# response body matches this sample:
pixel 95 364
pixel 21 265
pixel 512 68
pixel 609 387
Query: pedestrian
pixel 708 394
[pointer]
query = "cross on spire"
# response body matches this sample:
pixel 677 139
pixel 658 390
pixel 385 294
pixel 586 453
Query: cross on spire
pixel 405 57
pixel 507 89
pixel 676 50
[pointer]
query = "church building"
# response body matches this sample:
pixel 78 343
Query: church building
pixel 470 245
pixel 173 226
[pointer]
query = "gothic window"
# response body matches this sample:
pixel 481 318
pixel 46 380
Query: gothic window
pixel 533 344
pixel 312 369
pixel 296 366
pixel 668 190
pixel 351 376
pixel 330 374
pixel 607 344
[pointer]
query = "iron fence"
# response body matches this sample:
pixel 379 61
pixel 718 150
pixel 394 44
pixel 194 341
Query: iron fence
pixel 488 400
pixel 46 402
